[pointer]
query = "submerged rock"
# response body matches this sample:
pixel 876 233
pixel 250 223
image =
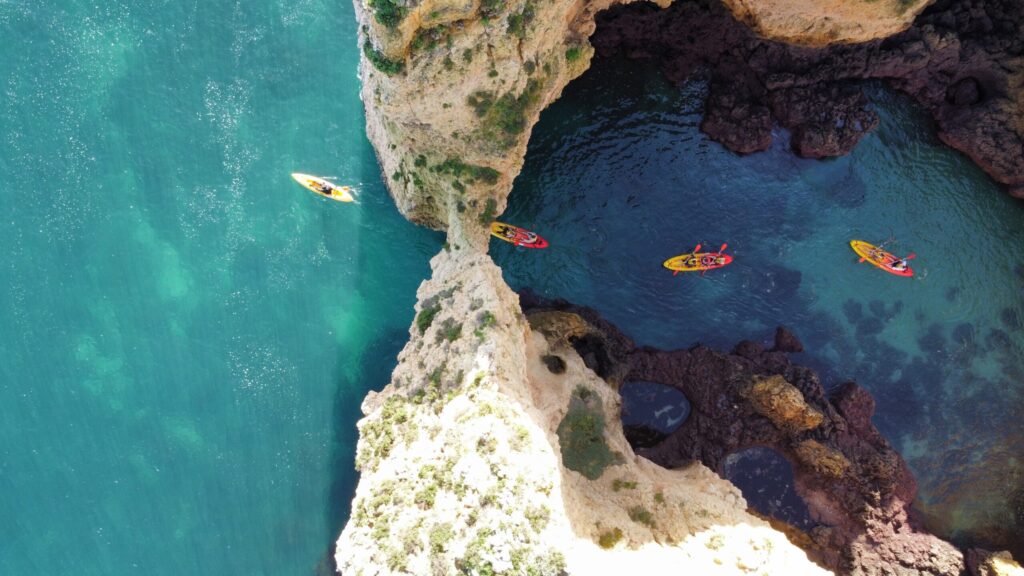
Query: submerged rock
pixel 786 341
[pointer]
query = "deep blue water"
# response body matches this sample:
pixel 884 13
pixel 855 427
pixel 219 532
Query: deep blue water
pixel 185 333
pixel 619 178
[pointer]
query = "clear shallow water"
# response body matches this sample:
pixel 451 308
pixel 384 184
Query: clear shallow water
pixel 185 333
pixel 618 178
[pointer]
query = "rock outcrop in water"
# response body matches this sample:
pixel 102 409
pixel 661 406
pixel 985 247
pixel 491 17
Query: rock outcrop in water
pixel 853 482
pixel 452 90
pixel 962 61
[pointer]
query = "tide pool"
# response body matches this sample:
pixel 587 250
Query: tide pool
pixel 619 178
pixel 186 333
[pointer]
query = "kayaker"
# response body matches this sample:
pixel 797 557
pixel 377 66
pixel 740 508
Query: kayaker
pixel 899 265
pixel 325 188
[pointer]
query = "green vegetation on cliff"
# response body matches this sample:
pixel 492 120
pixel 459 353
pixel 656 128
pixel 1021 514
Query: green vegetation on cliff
pixel 505 117
pixel 388 12
pixel 471 172
pixel 489 211
pixel 609 538
pixel 520 21
pixel 491 8
pixel 426 316
pixel 581 436
pixel 379 435
pixel 382 62
pixel 427 39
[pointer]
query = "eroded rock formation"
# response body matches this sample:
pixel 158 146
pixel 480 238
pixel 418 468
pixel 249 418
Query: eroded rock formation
pixel 962 61
pixel 855 485
pixel 452 90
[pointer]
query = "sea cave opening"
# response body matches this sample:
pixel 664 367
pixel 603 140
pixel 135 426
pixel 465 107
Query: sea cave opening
pixel 766 480
pixel 651 411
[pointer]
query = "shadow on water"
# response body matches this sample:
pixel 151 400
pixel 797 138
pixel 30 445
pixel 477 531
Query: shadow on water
pixel 391 259
pixel 378 362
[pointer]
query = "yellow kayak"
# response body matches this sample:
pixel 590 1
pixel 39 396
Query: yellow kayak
pixel 698 261
pixel 324 188
pixel 882 259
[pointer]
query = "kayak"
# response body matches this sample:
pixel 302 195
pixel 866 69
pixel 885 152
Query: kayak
pixel 324 188
pixel 880 258
pixel 518 236
pixel 697 262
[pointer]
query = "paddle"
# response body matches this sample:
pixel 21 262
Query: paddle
pixel 695 248
pixel 720 250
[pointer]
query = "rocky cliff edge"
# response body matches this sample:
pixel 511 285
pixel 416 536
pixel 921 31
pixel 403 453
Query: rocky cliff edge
pixel 494 449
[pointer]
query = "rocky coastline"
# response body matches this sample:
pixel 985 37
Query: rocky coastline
pixel 963 62
pixel 854 483
pixel 496 447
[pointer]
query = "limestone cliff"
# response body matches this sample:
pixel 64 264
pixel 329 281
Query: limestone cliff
pixel 495 450
pixel 452 90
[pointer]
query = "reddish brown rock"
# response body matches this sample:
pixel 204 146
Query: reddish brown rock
pixel 962 60
pixel 786 341
pixel 854 484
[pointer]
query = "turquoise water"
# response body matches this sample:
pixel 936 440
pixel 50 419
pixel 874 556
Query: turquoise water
pixel 940 352
pixel 186 333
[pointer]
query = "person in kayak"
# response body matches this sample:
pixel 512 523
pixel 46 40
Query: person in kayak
pixel 899 265
pixel 325 188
